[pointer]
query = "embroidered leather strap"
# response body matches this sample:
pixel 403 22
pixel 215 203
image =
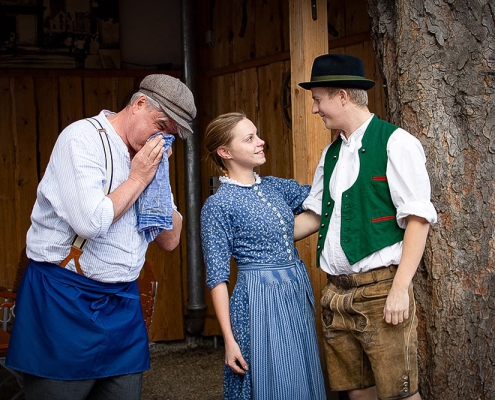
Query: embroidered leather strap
pixel 78 243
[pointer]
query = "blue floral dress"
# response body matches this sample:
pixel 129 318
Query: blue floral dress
pixel 272 305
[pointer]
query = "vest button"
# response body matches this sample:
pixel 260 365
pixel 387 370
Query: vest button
pixel 320 236
pixel 322 225
pixel 326 214
pixel 334 157
pixel 329 203
pixel 363 150
pixel 318 248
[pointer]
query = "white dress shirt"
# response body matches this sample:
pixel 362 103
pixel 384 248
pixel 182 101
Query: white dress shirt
pixel 409 187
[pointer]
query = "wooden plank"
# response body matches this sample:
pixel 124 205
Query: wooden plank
pixel 126 87
pixel 308 40
pixel 9 241
pixel 71 100
pixel 222 32
pixel 348 41
pixel 26 154
pixel 246 93
pixel 46 99
pixel 357 19
pixel 255 62
pixel 168 318
pixel 243 29
pixel 86 73
pixel 223 97
pixel 287 128
pixel 336 20
pixel 99 94
pixel 271 125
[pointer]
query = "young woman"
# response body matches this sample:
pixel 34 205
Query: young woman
pixel 271 350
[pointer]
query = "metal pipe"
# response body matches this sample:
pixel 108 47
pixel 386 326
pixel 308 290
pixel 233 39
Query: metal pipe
pixel 195 272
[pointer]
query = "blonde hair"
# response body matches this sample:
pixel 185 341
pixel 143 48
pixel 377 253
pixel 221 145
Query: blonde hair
pixel 358 96
pixel 219 133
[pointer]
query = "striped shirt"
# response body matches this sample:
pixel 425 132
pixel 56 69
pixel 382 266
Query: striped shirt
pixel 70 200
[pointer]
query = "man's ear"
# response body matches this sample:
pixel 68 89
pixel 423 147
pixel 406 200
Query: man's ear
pixel 139 103
pixel 224 153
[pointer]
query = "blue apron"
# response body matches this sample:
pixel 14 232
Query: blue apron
pixel 69 327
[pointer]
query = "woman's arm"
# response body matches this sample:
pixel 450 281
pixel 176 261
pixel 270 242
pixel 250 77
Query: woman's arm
pixel 305 224
pixel 233 355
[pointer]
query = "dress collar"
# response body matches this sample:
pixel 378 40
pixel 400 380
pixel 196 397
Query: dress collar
pixel 226 179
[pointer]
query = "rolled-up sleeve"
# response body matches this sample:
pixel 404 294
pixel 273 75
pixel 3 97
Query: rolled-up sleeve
pixel 408 178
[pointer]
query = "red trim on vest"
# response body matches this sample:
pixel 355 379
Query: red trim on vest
pixel 383 218
pixel 379 178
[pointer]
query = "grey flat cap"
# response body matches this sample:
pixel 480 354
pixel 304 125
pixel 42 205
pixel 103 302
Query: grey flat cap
pixel 174 98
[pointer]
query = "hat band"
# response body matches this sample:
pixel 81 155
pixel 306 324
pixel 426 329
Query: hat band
pixel 338 78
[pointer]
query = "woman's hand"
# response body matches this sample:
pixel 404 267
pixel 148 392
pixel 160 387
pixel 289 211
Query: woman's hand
pixel 233 355
pixel 234 359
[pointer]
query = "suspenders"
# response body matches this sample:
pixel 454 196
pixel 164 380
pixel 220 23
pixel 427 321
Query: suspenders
pixel 78 243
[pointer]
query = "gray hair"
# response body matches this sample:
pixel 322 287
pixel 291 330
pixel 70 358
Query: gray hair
pixel 152 105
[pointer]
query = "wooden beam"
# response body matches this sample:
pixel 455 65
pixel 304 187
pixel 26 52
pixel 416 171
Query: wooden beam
pixel 308 39
pixel 349 40
pixel 257 62
pixel 86 73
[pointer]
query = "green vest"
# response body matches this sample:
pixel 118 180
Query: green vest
pixel 368 214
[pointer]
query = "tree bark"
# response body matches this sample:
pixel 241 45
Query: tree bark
pixel 437 58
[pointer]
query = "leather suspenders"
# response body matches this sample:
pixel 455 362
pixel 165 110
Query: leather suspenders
pixel 78 243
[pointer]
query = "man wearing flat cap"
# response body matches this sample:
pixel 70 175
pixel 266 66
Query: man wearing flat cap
pixel 79 331
pixel 371 197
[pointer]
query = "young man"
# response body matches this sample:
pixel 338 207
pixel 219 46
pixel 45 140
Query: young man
pixel 371 192
pixel 79 331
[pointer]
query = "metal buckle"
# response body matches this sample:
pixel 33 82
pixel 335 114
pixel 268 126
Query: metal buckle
pixel 345 282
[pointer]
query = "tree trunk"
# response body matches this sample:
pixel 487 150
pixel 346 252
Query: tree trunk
pixel 438 62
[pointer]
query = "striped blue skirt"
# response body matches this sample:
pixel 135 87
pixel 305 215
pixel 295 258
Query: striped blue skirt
pixel 272 316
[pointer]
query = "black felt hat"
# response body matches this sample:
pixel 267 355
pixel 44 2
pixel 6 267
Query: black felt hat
pixel 338 70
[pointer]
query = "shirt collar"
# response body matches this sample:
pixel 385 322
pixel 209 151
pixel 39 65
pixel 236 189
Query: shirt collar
pixel 356 136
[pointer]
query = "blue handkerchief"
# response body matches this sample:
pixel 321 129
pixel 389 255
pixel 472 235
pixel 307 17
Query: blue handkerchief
pixel 154 205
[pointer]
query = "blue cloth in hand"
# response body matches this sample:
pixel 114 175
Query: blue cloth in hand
pixel 155 206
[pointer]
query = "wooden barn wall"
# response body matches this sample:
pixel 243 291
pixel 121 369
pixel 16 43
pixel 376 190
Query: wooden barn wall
pixel 244 55
pixel 35 106
pixel 244 49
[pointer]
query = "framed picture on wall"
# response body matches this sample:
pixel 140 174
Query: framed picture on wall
pixel 67 34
